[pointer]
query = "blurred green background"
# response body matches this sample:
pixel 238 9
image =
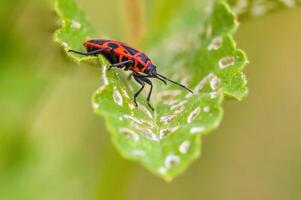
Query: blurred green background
pixel 52 146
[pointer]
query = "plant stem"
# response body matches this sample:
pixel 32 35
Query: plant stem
pixel 134 17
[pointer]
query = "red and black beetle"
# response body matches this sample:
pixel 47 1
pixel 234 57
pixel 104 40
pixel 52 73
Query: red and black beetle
pixel 121 55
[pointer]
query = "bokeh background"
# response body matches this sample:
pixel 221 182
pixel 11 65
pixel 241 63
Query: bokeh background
pixel 52 146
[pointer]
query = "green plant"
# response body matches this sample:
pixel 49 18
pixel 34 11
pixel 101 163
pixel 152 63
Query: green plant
pixel 195 46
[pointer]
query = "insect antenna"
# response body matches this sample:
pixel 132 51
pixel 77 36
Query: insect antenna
pixel 159 76
pixel 161 79
pixel 76 52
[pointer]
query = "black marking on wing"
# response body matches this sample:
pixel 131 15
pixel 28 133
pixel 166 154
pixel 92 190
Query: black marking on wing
pixel 99 42
pixel 143 57
pixel 130 50
pixel 112 45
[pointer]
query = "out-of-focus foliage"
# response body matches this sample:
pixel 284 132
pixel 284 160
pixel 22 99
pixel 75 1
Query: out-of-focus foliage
pixel 53 147
pixel 247 9
pixel 21 83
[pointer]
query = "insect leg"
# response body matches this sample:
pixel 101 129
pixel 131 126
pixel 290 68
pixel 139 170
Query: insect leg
pixel 140 80
pixel 122 63
pixel 130 76
pixel 91 53
pixel 150 92
pixel 113 56
pixel 129 67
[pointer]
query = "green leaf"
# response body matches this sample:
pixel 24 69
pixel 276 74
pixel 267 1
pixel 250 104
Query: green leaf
pixel 197 49
pixel 74 27
pixel 247 9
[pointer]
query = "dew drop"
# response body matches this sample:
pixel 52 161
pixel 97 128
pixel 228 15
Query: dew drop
pixel 147 123
pixel 206 109
pixel 124 92
pixel 214 82
pixel 95 105
pixel 183 148
pixel 104 75
pixel 189 95
pixel 130 134
pixel 146 111
pixel 193 115
pixel 167 118
pixel 150 134
pixel 195 130
pixel 180 110
pixel 215 44
pixel 213 95
pixel 167 131
pixel 147 132
pixel 76 24
pixel 131 106
pixel 100 89
pixel 226 62
pixel 134 119
pixel 178 105
pixel 117 96
pixel 171 161
pixel 202 83
pixel 65 45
